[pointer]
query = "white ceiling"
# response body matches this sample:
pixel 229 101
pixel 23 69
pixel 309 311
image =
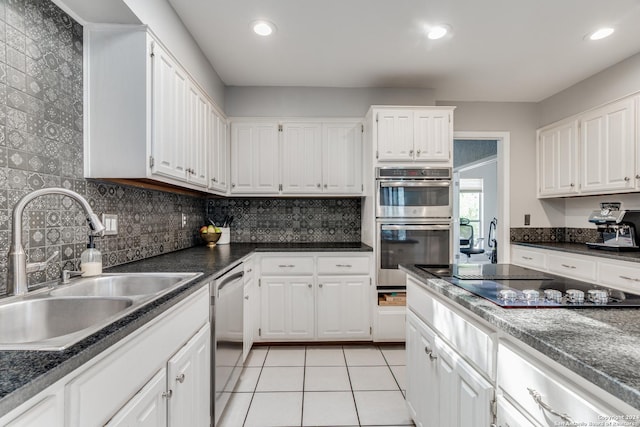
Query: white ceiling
pixel 500 50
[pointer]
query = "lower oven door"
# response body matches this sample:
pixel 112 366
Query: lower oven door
pixel 411 243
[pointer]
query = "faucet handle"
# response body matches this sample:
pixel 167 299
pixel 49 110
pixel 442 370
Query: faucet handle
pixel 67 274
pixel 39 266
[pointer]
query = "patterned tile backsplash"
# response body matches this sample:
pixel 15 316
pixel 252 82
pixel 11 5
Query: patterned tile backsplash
pixel 289 220
pixel 559 235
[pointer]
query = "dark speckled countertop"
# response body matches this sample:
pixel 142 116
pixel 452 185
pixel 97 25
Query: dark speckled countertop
pixel 600 345
pixel 25 373
pixel 582 249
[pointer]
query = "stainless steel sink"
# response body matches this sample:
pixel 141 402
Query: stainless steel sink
pixel 55 319
pixel 119 285
pixel 46 318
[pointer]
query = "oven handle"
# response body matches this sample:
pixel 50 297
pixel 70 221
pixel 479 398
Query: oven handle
pixel 415 184
pixel 416 227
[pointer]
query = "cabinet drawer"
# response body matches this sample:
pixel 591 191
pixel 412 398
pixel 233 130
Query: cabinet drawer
pixel 474 343
pixel 574 267
pixel 528 258
pixel 286 265
pixel 343 265
pixel 619 275
pixel 536 386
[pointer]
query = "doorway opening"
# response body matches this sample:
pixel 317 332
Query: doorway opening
pixel 480 185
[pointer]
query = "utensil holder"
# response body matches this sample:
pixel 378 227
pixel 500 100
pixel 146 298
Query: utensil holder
pixel 225 238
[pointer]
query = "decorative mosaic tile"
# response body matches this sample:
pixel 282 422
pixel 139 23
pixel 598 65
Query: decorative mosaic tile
pixel 560 235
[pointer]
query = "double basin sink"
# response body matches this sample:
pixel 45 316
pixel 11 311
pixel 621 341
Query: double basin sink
pixel 54 318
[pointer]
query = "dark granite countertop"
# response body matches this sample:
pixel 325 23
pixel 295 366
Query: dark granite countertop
pixel 582 249
pixel 600 345
pixel 23 374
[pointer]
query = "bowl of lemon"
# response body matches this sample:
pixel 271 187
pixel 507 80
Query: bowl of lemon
pixel 210 234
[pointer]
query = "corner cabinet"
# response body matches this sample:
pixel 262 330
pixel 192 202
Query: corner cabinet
pixel 419 134
pixel 296 158
pixel 595 152
pixel 147 118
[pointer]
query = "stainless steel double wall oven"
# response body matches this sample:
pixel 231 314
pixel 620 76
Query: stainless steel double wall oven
pixel 414 213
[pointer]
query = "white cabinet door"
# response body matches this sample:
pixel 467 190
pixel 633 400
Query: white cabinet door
pixel 607 140
pixel 254 157
pixel 558 160
pixel 342 158
pixel 169 89
pixel 465 396
pixel 148 408
pixel 344 306
pixel 395 135
pixel 188 379
pixel 301 158
pixel 48 412
pixel 218 151
pixel 287 308
pixel 432 138
pixel 250 309
pixel 196 141
pixel 422 376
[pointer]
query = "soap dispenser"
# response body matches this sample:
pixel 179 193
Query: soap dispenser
pixel 91 260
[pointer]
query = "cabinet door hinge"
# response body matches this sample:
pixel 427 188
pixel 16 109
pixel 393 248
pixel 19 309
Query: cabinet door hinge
pixel 151 161
pixel 376 154
pixel 259 282
pixel 370 330
pixel 280 187
pixel 361 187
pixel 493 405
pixel 362 128
pixel 370 281
pixel 151 49
pixel 279 128
pixel 376 117
pixel 259 332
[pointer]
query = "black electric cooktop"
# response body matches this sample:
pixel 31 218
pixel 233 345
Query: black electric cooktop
pixel 511 286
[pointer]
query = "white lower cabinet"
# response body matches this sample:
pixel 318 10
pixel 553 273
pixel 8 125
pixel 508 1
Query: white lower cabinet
pixel 157 376
pixel 315 297
pixel 46 411
pixel 343 307
pixel 549 395
pixel 443 389
pixel 287 308
pixel 148 408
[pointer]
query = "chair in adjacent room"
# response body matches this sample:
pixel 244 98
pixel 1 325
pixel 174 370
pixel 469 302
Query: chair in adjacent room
pixel 468 245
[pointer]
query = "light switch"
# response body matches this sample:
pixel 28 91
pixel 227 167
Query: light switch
pixel 110 222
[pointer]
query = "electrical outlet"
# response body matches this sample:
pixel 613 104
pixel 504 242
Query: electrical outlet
pixel 110 222
pixel 527 219
pixel 184 220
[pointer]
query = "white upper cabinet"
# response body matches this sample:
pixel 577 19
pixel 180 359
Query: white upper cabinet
pixel 218 151
pixel 595 152
pixel 301 158
pixel 254 157
pixel 296 158
pixel 558 160
pixel 607 140
pixel 342 158
pixel 421 134
pixel 146 117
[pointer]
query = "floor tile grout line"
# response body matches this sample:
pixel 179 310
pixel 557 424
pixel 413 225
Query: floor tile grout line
pixel 353 396
pixel 255 387
pixel 304 373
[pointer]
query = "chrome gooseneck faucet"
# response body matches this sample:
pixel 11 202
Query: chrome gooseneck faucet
pixel 17 280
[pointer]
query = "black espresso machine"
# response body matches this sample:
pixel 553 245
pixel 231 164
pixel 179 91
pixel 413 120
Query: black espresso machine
pixel 617 229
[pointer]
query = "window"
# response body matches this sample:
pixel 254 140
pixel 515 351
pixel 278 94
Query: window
pixel 471 204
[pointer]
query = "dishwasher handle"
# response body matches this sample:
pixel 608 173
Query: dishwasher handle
pixel 230 279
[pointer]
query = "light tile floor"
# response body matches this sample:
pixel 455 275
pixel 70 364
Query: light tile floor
pixel 350 385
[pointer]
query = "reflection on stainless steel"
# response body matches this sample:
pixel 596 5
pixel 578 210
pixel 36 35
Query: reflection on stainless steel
pixel 227 311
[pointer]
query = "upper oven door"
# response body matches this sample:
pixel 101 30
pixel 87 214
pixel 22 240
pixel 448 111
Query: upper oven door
pixel 414 199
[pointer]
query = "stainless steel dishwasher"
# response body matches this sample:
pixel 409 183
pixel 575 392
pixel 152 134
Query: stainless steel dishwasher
pixel 226 336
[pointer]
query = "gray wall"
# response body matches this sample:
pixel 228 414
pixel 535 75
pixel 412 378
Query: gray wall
pixel 316 102
pixel 489 173
pixel 466 151
pixel 612 83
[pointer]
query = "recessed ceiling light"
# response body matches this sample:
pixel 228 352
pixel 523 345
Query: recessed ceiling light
pixel 263 28
pixel 437 32
pixel 601 33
